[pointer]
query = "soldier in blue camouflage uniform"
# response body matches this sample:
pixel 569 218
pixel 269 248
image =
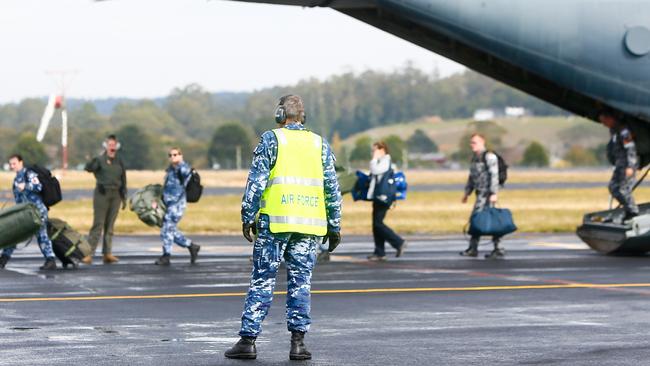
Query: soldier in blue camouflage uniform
pixel 298 250
pixel 174 197
pixel 621 152
pixel 26 188
pixel 484 180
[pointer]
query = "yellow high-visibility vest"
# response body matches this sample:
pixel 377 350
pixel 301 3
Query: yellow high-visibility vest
pixel 294 198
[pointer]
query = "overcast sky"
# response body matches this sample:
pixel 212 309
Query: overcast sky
pixel 144 48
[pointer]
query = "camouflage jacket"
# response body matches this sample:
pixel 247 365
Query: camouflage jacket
pixel 264 157
pixel 483 175
pixel 621 149
pixel 174 189
pixel 32 190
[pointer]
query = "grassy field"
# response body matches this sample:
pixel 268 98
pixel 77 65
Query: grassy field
pixel 138 178
pixel 421 213
pixel 237 178
pixel 553 132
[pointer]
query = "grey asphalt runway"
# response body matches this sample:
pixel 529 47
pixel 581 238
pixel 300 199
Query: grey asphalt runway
pixel 552 301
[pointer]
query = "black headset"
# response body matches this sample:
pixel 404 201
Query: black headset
pixel 281 113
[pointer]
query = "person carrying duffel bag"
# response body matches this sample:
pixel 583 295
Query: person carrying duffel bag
pixel 26 189
pixel 487 173
pixel 68 244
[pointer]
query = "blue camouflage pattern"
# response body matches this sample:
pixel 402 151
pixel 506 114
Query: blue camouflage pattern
pixel 622 152
pixel 176 202
pixel 31 194
pixel 299 254
pixel 297 250
pixel 264 158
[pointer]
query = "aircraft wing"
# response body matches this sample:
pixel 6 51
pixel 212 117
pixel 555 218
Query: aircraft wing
pixel 336 4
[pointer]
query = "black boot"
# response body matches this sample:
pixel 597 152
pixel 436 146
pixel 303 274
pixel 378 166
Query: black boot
pixel 49 265
pixel 194 252
pixel 323 257
pixel 472 250
pixel 164 260
pixel 497 253
pixel 298 348
pixel 629 216
pixel 3 261
pixel 244 349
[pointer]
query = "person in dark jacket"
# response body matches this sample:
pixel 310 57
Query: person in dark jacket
pixel 110 193
pixel 380 165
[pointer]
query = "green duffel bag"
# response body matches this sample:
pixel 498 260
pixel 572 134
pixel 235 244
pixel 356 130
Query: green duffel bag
pixel 72 240
pixel 18 223
pixel 142 203
pixel 347 180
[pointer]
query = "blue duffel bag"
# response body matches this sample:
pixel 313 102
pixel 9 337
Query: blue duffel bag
pixel 492 221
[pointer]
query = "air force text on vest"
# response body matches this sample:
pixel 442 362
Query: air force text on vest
pixel 299 199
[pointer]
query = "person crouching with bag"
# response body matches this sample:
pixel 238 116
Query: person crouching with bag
pixel 177 175
pixel 379 166
pixel 484 179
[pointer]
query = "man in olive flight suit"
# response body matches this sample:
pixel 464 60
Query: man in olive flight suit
pixel 110 193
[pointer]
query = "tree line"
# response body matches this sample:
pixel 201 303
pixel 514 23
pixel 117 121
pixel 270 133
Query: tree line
pixel 221 129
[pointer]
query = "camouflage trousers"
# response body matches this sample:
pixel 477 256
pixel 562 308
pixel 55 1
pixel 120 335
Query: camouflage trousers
pixel 44 242
pixel 620 187
pixel 169 232
pixel 299 253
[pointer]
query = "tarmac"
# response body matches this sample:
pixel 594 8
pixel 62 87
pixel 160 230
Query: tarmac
pixel 552 301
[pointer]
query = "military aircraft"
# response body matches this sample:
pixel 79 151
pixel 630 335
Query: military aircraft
pixel 580 55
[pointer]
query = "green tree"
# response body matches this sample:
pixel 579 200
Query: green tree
pixel 362 150
pixel 84 143
pixel 396 148
pixel 228 141
pixel 8 137
pixel 136 147
pixel 600 152
pixel 535 155
pixel 419 142
pixel 579 156
pixel 147 113
pixel 193 108
pixel 31 150
pixel 86 116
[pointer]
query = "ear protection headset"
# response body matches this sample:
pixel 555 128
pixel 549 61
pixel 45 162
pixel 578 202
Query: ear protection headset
pixel 105 145
pixel 281 112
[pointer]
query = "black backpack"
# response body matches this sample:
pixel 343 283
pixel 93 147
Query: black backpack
pixel 193 188
pixel 51 192
pixel 503 167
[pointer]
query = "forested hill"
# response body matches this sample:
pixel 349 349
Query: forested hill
pixel 190 116
pixel 345 103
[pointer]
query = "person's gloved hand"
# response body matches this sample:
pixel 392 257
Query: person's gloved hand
pixel 334 237
pixel 246 229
